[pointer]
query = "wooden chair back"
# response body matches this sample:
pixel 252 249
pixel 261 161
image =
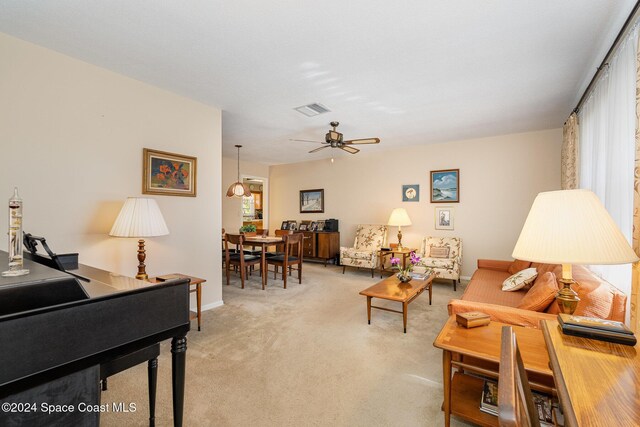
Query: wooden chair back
pixel 293 245
pixel 233 239
pixel 262 231
pixel 515 401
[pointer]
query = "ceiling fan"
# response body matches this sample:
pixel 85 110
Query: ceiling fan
pixel 333 139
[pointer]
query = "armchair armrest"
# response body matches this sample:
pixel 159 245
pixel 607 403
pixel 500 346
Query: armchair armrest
pixel 501 313
pixel 492 264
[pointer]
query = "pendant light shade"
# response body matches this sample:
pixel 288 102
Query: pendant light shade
pixel 238 188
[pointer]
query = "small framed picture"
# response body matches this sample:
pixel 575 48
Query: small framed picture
pixel 168 174
pixel 293 225
pixel 285 225
pixel 313 226
pixel 303 227
pixel 312 201
pixel 445 186
pixel 444 218
pixel 411 193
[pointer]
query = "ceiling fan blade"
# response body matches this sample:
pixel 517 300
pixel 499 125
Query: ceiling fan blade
pixel 306 140
pixel 363 141
pixel 350 149
pixel 318 149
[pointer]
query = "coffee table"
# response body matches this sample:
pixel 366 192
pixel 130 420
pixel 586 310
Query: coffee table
pixel 392 289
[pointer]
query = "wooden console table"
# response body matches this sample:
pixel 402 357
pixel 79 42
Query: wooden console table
pixel 324 245
pixel 195 281
pixel 597 381
pixel 478 350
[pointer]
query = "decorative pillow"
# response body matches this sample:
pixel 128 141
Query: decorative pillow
pixel 520 280
pixel 439 252
pixel 542 293
pixel 518 265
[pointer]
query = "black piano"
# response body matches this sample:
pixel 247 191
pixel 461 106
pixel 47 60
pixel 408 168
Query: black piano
pixel 57 329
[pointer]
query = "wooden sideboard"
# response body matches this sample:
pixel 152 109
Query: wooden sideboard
pixel 324 245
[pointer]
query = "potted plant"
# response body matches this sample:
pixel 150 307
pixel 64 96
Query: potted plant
pixel 249 228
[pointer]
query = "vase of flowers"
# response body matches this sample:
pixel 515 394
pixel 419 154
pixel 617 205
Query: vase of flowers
pixel 404 274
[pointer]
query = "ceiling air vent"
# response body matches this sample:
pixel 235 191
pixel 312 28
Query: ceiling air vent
pixel 312 109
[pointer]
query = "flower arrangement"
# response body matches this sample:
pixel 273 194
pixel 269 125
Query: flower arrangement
pixel 404 274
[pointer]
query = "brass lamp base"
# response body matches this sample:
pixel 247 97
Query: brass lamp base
pixel 567 298
pixel 142 269
pixel 399 239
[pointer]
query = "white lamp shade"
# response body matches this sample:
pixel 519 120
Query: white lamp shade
pixel 139 217
pixel 572 227
pixel 399 217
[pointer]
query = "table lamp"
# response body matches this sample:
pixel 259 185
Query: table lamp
pixel 571 227
pixel 398 218
pixel 140 217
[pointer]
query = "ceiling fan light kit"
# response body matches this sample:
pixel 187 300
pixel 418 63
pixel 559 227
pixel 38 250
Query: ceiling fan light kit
pixel 238 188
pixel 335 139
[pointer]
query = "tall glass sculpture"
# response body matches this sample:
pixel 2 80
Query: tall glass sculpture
pixel 16 267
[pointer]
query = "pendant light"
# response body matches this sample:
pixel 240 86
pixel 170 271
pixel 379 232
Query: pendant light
pixel 238 188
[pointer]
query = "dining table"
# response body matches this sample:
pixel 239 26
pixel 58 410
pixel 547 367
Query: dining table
pixel 263 242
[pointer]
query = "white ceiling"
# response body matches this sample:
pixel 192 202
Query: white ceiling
pixel 409 72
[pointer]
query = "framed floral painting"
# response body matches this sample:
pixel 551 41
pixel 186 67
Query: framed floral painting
pixel 168 174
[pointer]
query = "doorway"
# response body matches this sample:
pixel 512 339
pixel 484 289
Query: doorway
pixel 255 207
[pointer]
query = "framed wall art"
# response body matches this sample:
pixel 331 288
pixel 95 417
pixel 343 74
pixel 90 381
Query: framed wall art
pixel 445 186
pixel 444 218
pixel 411 193
pixel 312 201
pixel 168 174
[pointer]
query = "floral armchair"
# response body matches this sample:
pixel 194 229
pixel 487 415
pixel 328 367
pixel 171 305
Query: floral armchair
pixel 364 253
pixel 445 260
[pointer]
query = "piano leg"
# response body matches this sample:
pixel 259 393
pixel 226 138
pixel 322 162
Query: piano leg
pixel 178 359
pixel 152 369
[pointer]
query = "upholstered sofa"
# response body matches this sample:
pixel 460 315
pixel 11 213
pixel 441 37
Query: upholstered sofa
pixel 364 253
pixel 598 298
pixel 444 268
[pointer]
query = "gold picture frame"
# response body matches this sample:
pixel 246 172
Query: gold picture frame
pixel 168 174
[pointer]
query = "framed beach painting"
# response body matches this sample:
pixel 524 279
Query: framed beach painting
pixel 444 218
pixel 445 186
pixel 168 174
pixel 312 201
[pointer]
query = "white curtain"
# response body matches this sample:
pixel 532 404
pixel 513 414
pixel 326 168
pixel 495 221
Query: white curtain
pixel 607 147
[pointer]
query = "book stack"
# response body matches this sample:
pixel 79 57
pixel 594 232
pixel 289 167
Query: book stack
pixel 545 406
pixel 489 401
pixel 597 329
pixel 472 319
pixel 419 276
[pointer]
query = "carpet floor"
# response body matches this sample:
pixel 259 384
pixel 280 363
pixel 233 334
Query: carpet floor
pixel 303 356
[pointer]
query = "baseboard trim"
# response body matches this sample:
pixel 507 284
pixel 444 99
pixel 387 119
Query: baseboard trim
pixel 465 277
pixel 213 305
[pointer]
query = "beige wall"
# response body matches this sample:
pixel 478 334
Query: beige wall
pixel 499 176
pixel 71 137
pixel 232 206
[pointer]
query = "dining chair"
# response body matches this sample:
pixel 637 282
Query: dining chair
pixel 280 246
pixel 239 259
pixel 515 401
pixel 292 256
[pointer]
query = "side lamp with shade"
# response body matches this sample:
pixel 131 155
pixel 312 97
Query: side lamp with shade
pixel 139 217
pixel 398 218
pixel 571 227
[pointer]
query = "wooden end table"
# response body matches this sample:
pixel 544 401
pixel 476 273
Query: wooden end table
pixel 393 290
pixel 394 251
pixel 478 350
pixel 197 282
pixel 597 380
